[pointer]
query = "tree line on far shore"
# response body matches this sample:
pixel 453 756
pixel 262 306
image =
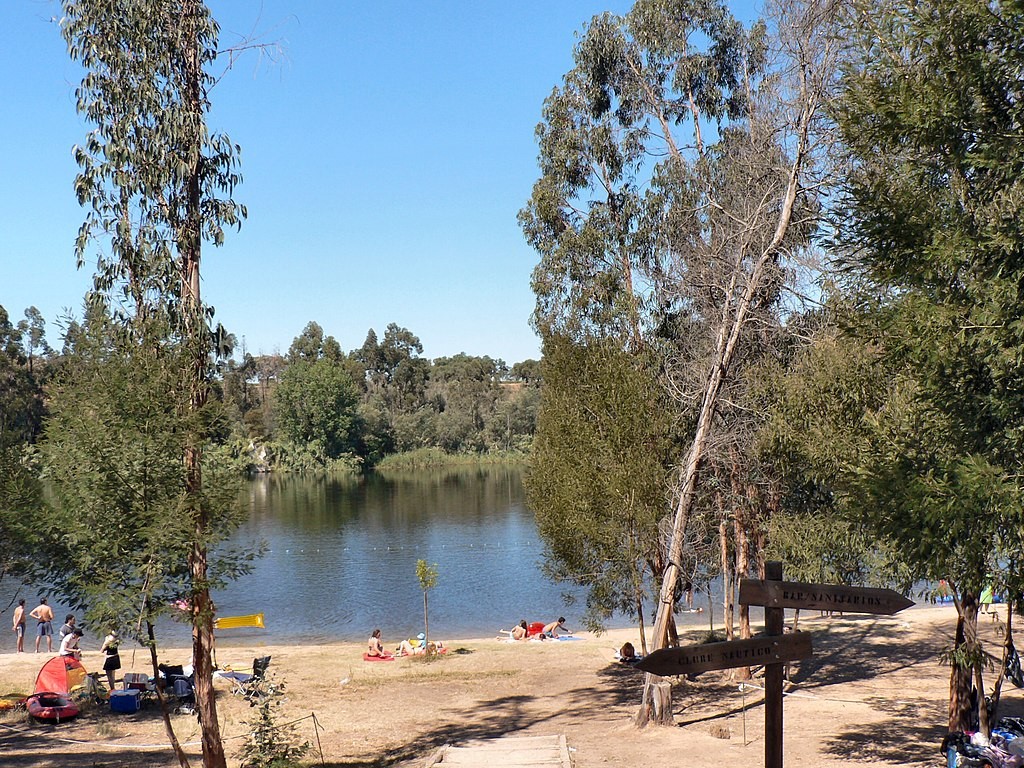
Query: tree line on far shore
pixel 314 408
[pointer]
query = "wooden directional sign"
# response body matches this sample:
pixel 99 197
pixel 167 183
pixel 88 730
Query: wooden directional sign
pixel 824 597
pixel 734 653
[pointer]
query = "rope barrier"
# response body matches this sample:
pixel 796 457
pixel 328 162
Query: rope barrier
pixel 109 745
pixel 799 695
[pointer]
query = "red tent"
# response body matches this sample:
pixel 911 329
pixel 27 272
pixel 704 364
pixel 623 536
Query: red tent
pixel 60 674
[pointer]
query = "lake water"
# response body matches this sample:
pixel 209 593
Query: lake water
pixel 342 551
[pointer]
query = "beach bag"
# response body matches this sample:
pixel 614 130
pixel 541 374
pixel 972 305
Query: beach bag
pixel 1014 673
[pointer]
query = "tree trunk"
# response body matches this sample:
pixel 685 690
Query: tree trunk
pixel 736 305
pixel 426 625
pixel 640 621
pixel 960 685
pixel 190 249
pixel 179 753
pixel 727 605
pixel 997 689
pixel 662 697
pixel 742 568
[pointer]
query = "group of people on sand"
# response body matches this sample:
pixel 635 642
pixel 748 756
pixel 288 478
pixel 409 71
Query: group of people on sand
pixel 550 630
pixel 70 635
pixel 414 646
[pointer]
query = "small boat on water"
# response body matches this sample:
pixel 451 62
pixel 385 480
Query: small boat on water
pixel 51 707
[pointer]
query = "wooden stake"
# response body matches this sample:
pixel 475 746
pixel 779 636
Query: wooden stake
pixel 774 624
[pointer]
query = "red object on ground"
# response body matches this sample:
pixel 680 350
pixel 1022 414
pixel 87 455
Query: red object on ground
pixel 47 705
pixel 535 628
pixel 59 675
pixel 368 657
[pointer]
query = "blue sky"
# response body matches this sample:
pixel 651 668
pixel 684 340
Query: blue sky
pixel 386 149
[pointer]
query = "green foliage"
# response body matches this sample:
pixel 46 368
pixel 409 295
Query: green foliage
pixel 932 117
pixel 157 184
pixel 138 62
pixel 316 404
pixel 598 473
pixel 432 458
pixel 22 406
pixel 118 541
pixel 928 113
pixel 22 511
pixel 270 743
pixel 815 401
pixel 426 575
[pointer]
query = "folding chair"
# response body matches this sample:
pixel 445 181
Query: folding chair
pixel 254 687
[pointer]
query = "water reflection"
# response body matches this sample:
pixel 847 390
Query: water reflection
pixel 342 551
pixel 342 555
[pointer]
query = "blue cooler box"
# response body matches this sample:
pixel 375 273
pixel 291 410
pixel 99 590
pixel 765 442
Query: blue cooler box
pixel 125 701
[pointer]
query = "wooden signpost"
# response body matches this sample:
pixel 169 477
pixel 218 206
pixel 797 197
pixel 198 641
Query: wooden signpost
pixel 822 597
pixel 692 659
pixel 773 649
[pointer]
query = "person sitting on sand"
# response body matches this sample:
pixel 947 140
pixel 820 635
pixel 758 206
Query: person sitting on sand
pixel 520 631
pixel 375 647
pixel 551 630
pixel 627 653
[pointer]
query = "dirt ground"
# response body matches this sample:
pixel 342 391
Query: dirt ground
pixel 873 693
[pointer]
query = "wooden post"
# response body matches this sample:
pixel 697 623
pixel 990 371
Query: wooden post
pixel 774 624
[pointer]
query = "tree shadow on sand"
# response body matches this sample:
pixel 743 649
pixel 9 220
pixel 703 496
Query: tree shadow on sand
pixel 618 685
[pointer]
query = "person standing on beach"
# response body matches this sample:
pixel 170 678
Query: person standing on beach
pixel 69 626
pixel 19 625
pixel 43 614
pixel 111 658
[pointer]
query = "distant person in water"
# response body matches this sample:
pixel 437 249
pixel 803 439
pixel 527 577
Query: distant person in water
pixel 374 645
pixel 43 614
pixel 551 630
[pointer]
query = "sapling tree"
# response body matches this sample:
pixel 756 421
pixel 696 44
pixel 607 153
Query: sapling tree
pixel 426 574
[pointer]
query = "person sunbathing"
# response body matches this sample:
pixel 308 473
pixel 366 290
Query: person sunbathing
pixel 521 631
pixel 551 630
pixel 412 646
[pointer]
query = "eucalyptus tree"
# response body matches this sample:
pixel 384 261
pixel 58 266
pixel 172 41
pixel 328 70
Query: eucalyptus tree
pixel 157 183
pixel 933 119
pixel 464 390
pixel 597 474
pixel 22 406
pixel 677 170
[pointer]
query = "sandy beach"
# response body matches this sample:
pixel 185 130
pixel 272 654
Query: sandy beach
pixel 874 693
